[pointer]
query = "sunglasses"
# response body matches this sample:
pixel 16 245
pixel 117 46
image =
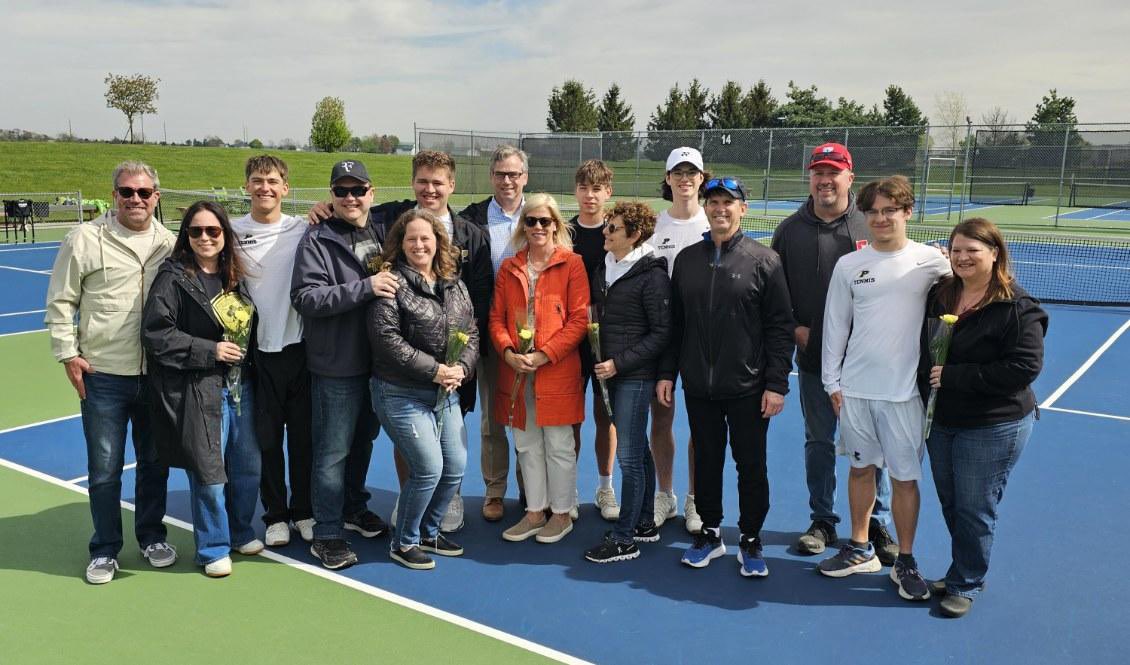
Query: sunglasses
pixel 143 193
pixel 612 228
pixel 198 231
pixel 357 191
pixel 727 183
pixel 545 222
pixel 828 157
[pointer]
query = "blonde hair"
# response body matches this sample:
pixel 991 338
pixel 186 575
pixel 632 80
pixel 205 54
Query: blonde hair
pixel 561 235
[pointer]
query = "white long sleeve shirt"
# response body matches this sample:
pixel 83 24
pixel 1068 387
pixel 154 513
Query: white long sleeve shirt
pixel 872 318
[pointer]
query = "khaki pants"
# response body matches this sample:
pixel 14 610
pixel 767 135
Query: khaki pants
pixel 494 456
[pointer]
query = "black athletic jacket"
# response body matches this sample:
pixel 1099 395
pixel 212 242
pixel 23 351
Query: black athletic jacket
pixel 731 321
pixel 995 355
pixel 635 316
pixel 809 248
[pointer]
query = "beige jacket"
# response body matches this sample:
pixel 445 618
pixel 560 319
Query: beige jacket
pixel 99 277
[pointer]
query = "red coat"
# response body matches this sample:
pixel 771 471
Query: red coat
pixel 561 301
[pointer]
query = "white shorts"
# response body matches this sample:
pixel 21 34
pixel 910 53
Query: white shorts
pixel 884 434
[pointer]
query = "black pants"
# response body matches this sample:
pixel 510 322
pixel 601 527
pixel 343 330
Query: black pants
pixel 711 421
pixel 282 400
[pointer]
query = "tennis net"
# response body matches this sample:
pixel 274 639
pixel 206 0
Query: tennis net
pixel 1100 195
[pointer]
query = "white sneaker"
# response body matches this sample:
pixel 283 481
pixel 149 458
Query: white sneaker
pixel 218 568
pixel 101 570
pixel 690 515
pixel 278 534
pixel 575 511
pixel 250 548
pixel 665 503
pixel 453 518
pixel 606 502
pixel 305 529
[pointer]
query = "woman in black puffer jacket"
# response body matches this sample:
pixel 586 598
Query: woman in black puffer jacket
pixel 413 383
pixel 631 293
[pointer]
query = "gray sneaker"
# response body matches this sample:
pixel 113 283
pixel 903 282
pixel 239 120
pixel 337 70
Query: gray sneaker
pixel 101 570
pixel 817 538
pixel 160 555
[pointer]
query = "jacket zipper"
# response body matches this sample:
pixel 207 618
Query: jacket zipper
pixel 711 355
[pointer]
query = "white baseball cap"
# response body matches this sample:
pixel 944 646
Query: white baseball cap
pixel 688 155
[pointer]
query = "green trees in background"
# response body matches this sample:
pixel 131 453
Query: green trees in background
pixel 572 108
pixel 132 95
pixel 328 129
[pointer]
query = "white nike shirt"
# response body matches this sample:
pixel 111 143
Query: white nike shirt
pixel 872 318
pixel 268 252
pixel 674 235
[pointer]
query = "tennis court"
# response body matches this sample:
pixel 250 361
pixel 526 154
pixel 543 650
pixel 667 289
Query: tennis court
pixel 1051 598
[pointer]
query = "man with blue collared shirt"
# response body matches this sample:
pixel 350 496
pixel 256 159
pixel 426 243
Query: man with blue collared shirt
pixel 498 215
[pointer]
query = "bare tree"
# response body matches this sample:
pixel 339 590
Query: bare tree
pixel 132 95
pixel 950 113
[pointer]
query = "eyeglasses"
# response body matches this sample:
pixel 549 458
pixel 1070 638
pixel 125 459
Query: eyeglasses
pixel 143 193
pixel 685 174
pixel 828 157
pixel 727 183
pixel 885 212
pixel 357 191
pixel 507 175
pixel 196 232
pixel 545 222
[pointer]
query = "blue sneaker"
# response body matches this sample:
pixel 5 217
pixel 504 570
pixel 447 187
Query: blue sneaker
pixel 750 559
pixel 707 545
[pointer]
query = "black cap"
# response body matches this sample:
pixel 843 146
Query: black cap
pixel 349 168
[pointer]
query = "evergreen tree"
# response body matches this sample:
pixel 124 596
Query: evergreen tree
pixel 572 108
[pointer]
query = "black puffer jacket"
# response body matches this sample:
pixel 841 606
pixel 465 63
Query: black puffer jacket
pixel 635 317
pixel 408 336
pixel 995 355
pixel 180 332
pixel 731 321
pixel 809 248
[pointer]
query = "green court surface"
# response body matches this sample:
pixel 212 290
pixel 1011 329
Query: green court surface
pixel 266 611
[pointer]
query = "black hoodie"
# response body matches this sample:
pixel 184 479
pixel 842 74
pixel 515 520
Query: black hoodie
pixel 809 248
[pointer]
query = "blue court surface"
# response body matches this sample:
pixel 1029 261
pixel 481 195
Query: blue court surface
pixel 1055 593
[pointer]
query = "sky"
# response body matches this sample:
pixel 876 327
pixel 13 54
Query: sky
pixel 235 68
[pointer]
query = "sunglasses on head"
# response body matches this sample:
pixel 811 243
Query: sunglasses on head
pixel 357 191
pixel 545 222
pixel 198 231
pixel 828 157
pixel 728 183
pixel 143 193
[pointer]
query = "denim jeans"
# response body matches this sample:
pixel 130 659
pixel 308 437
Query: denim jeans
pixel 820 456
pixel 222 513
pixel 435 462
pixel 111 402
pixel 344 427
pixel 971 467
pixel 631 402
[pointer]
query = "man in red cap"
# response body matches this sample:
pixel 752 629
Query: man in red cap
pixel 810 241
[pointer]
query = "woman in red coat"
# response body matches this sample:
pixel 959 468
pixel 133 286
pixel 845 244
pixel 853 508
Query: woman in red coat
pixel 543 288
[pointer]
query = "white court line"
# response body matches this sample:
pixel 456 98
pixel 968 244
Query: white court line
pixel 1085 413
pixel 23 332
pixel 30 311
pixel 80 479
pixel 1084 367
pixel 37 272
pixel 42 422
pixel 29 249
pixel 367 589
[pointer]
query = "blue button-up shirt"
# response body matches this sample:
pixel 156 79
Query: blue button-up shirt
pixel 501 228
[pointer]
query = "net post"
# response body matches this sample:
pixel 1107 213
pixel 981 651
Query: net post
pixel 1062 169
pixel 965 168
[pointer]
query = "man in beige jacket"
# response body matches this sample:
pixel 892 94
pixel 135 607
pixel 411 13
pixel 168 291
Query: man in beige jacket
pixel 98 287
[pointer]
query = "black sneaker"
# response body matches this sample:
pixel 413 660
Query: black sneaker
pixel 646 532
pixel 910 583
pixel 334 553
pixel 367 523
pixel 819 535
pixel 413 558
pixel 609 550
pixel 441 546
pixel 955 607
pixel 885 547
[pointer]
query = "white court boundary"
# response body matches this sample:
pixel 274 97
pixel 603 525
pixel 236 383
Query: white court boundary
pixel 317 571
pixel 30 311
pixel 34 272
pixel 1066 385
pixel 23 332
pixel 33 248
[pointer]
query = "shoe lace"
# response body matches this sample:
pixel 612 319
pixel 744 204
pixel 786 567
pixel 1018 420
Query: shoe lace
pixel 102 561
pixel 159 547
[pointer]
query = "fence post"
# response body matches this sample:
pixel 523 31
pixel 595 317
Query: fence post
pixel 1062 169
pixel 965 168
pixel 639 146
pixel 768 174
pixel 80 206
pixel 925 188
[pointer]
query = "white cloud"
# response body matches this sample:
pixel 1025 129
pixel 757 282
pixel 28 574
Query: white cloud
pixel 490 65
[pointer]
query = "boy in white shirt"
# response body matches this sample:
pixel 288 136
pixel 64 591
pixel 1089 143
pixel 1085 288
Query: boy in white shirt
pixel 876 301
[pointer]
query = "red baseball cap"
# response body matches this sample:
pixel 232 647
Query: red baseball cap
pixel 830 154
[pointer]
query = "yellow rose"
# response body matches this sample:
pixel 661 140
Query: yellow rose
pixel 594 327
pixel 526 333
pixel 948 318
pixel 462 337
